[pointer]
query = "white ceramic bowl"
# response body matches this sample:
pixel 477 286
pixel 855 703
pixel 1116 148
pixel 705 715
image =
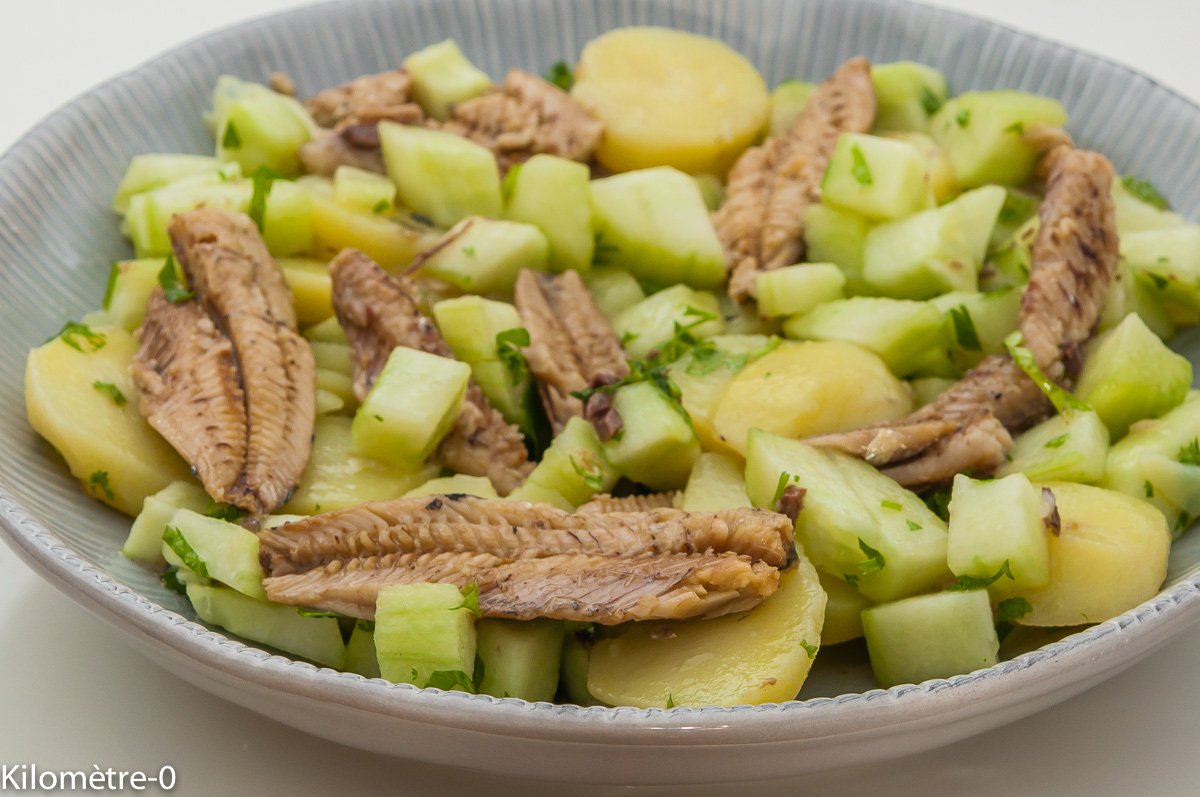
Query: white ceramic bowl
pixel 57 238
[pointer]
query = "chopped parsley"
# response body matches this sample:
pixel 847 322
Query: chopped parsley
pixel 112 391
pixel 964 328
pixel 264 178
pixel 367 626
pixel 379 417
pixel 603 251
pixel 811 650
pixel 226 512
pixel 168 278
pixel 449 680
pixel 1149 489
pixel 670 700
pixel 1007 611
pixel 850 579
pixel 629 337
pixel 1159 281
pixel 470 600
pixel 938 502
pixel 590 471
pixel 1145 191
pixel 300 610
pixel 173 537
pixel 381 206
pixel 1190 454
pixel 931 102
pixel 1058 441
pixel 170 580
pixel 780 486
pixel 891 505
pixel 1016 128
pixel 1183 521
pixel 507 349
pixel 560 75
pixel 1016 209
pixel 73 330
pixel 859 168
pixel 965 583
pixel 109 289
pixel 912 526
pixel 98 483
pixel 874 561
pixel 469 251
pixel 706 357
pixel 231 139
pixel 963 117
pixel 509 186
pixel 1062 399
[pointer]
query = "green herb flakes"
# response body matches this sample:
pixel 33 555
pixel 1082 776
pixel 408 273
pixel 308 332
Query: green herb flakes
pixel 173 537
pixel 508 345
pixel 1145 191
pixel 73 331
pixel 560 75
pixel 811 650
pixel 168 278
pixel 859 168
pixel 982 582
pixel 112 391
pixel 231 139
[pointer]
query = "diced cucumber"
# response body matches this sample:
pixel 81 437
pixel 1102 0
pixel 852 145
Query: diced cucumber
pixel 712 189
pixel 996 528
pixel 651 322
pixel 363 191
pixel 333 357
pixel 717 482
pixel 928 388
pixel 879 178
pixel 798 289
pixel 1170 257
pixel 787 103
pixel 844 606
pixel 901 332
pixel 535 493
pixel 832 235
pixel 255 126
pixel 982 133
pixel 458 484
pixel 988 317
pixel 328 331
pixel 743 318
pixel 485 255
pixel 520 658
pixel 228 551
pixel 657 445
pixel 1068 447
pixel 1009 265
pixel 857 524
pixel 574 467
pixel 573 671
pixel 614 289
pixel 1131 292
pixel 1172 436
pixel 411 407
pixel 930 636
pixel 339 385
pixel 311 287
pixel 470 325
pixel 1173 487
pixel 1019 207
pixel 1136 215
pixel 421 629
pixel 653 222
pixel 933 251
pixel 147 172
pixel 317 639
pixel 360 651
pixel 442 176
pixel 555 195
pixel 443 77
pixel 329 402
pixel 130 284
pixel 907 95
pixel 702 383
pixel 937 165
pixel 1132 375
pixel 144 543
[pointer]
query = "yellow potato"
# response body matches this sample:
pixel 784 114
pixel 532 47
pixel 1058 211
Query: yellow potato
pixel 760 656
pixel 843 611
pixel 670 98
pixel 336 477
pixel 380 237
pixel 701 386
pixel 108 447
pixel 808 388
pixel 311 286
pixel 1110 556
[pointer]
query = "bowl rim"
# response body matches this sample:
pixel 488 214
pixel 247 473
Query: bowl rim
pixel 1082 655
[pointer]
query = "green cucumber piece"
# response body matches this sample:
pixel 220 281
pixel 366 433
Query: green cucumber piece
pixel 328 331
pixel 717 482
pixel 712 189
pixel 1068 447
pixel 147 172
pixel 439 175
pixel 129 287
pixel 879 178
pixel 1173 487
pixel 520 658
pixel 930 636
pixel 573 670
pixel 574 468
pixel 654 223
pixel 443 77
pixel 651 322
pixel 228 551
pixel 657 445
pixel 311 287
pixel 996 527
pixel 844 606
pixel 787 103
pixel 317 639
pixel 479 486
pixel 421 629
pixel 798 289
pixel 832 235
pixel 411 407
pixel 1019 207
pixel 928 388
pixel 982 133
pixel 989 317
pixel 850 511
pixel 363 191
pixel 554 194
pixel 1131 293
pixel 1137 215
pixel 613 289
pixel 255 126
pixel 1170 258
pixel 907 95
pixel 536 494
pixel 1172 436
pixel 1131 375
pixel 486 255
pixel 334 357
pixel 1008 266
pixel 144 543
pixel 360 651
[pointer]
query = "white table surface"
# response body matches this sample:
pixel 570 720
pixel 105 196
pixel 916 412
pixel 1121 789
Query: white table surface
pixel 73 695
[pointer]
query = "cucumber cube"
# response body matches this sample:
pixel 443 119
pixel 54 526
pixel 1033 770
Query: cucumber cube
pixel 130 284
pixel 1173 487
pixel 443 77
pixel 653 222
pixel 717 482
pixel 255 126
pixel 1133 292
pixel 787 103
pixel 486 255
pixel 844 606
pixel 478 486
pixel 928 388
pixel 536 494
pixel 614 289
pixel 651 322
pixel 318 639
pixel 147 172
pixel 1009 264
pixel 442 176
pixel 798 289
pixel 574 467
pixel 857 524
pixel 1132 375
pixel 907 95
pixel 144 543
pixel 554 194
pixel 930 636
pixel 1173 436
pixel 573 670
pixel 334 357
pixel 328 331
pixel 997 525
pixel 982 132
pixel 363 191
pixel 712 189
pixel 832 235
pixel 361 657
pixel 520 658
pixel 879 178
pixel 1068 447
pixel 311 287
pixel 937 165
pixel 1170 258
pixel 657 445
pixel 228 551
pixel 986 318
pixel 411 407
pixel 1137 215
pixel 901 332
pixel 421 629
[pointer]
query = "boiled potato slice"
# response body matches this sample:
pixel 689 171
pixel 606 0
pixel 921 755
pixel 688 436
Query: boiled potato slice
pixel 808 388
pixel 669 98
pixel 108 446
pixel 1110 556
pixel 379 236
pixel 760 656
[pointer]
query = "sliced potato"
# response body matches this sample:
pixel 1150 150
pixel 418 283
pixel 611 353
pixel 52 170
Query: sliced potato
pixel 107 445
pixel 311 286
pixel 808 388
pixel 1110 556
pixel 379 236
pixel 670 98
pixel 760 656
